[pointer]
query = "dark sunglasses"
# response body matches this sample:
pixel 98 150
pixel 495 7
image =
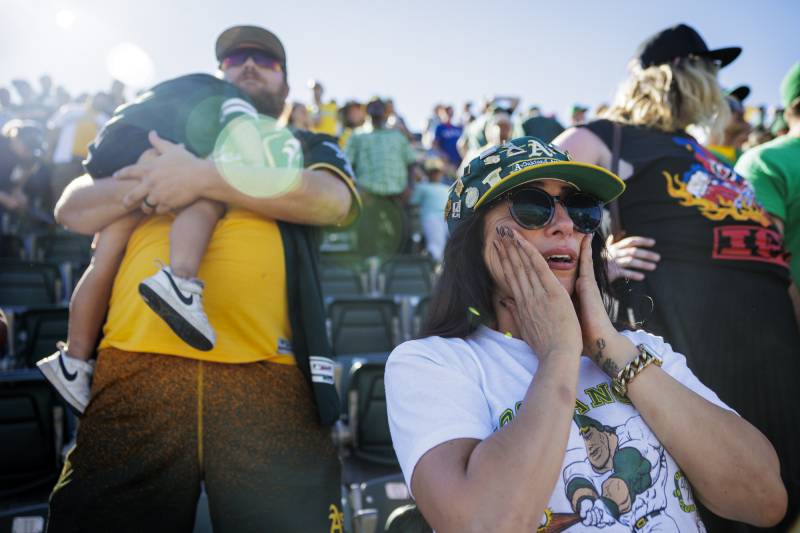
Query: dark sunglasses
pixel 240 56
pixel 534 208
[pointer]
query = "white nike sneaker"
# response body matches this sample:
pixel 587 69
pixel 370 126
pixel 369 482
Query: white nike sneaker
pixel 71 377
pixel 179 301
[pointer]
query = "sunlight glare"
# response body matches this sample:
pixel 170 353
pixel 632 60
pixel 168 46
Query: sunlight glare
pixel 65 18
pixel 130 64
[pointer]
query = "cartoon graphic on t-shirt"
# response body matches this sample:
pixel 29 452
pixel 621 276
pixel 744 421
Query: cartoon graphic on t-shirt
pixel 623 478
pixel 714 188
pixel 683 492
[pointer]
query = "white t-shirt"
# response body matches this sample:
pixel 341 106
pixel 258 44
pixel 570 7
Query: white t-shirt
pixel 441 389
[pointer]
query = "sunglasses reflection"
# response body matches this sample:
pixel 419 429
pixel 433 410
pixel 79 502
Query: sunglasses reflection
pixel 534 208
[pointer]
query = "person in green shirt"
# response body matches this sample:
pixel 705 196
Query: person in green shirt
pixel 382 158
pixel 774 170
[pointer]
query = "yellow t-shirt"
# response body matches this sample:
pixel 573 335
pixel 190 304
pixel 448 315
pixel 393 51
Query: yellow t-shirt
pixel 244 297
pixel 85 132
pixel 328 121
pixel 344 138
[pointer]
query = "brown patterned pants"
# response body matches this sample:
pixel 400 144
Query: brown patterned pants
pixel 157 425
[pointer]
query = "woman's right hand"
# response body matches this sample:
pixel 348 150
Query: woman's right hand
pixel 541 306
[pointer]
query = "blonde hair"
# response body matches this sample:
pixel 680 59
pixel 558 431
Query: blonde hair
pixel 671 96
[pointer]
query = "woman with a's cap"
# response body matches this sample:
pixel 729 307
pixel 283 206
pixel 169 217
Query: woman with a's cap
pixel 707 265
pixel 522 407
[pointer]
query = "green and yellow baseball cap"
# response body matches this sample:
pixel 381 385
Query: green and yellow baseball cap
pixel 523 160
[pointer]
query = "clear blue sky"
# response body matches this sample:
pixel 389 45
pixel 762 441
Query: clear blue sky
pixel 421 52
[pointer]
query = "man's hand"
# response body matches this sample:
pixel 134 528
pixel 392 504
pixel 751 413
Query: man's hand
pixel 170 181
pixel 627 258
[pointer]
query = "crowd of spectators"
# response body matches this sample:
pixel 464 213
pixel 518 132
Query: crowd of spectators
pixel 45 136
pixel 46 131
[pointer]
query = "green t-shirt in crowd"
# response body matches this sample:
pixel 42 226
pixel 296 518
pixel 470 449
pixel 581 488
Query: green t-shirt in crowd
pixel 380 159
pixel 774 170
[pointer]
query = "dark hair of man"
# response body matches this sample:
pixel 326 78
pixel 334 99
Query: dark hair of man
pixel 376 109
pixel 465 282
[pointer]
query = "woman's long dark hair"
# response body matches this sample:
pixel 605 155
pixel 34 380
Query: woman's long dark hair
pixel 466 283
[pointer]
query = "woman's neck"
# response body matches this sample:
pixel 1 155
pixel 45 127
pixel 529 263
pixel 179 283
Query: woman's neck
pixel 505 322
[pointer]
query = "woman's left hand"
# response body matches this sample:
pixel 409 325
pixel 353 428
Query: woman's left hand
pixel 601 341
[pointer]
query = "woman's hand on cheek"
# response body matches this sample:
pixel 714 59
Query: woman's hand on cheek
pixel 539 304
pixel 601 340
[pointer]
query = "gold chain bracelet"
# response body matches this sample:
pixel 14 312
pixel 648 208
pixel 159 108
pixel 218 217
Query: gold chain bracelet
pixel 642 360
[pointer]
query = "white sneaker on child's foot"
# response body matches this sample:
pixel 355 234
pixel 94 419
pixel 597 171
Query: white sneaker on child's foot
pixel 71 377
pixel 179 301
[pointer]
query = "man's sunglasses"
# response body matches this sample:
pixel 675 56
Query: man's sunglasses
pixel 534 208
pixel 240 56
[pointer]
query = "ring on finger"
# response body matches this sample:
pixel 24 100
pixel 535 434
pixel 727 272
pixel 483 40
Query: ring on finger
pixel 148 204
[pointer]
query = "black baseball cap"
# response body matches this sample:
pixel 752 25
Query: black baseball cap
pixel 740 93
pixel 250 37
pixel 678 42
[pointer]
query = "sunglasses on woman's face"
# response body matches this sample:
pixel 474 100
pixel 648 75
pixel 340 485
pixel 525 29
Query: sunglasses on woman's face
pixel 534 208
pixel 241 55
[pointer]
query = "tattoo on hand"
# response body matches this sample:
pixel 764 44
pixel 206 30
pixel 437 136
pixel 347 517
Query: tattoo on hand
pixel 598 356
pixel 610 368
pixel 606 364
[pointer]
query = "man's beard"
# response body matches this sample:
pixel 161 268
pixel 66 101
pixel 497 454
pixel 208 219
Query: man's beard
pixel 267 103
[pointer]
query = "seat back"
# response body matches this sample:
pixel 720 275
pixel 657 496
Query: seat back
pixel 368 418
pixel 31 430
pixel 37 330
pixel 407 275
pixel 11 247
pixel 28 284
pixel 363 325
pixel 61 248
pixel 340 279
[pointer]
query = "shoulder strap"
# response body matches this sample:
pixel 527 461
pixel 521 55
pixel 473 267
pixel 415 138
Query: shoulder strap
pixel 616 146
pixel 307 318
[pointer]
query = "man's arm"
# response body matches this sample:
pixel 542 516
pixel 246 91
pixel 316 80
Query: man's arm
pixel 177 178
pixel 87 205
pixel 320 198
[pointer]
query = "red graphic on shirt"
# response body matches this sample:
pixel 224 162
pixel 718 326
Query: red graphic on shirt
pixel 714 188
pixel 749 243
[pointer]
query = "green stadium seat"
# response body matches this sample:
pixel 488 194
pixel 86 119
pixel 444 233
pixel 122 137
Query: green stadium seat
pixel 406 276
pixel 36 331
pixel 339 279
pixel 59 248
pixel 28 284
pixel 363 325
pixel 367 417
pixel 31 435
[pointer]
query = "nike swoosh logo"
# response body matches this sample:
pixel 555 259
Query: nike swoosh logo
pixel 187 300
pixel 70 377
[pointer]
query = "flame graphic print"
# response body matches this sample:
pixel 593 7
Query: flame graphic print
pixel 713 206
pixel 714 188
